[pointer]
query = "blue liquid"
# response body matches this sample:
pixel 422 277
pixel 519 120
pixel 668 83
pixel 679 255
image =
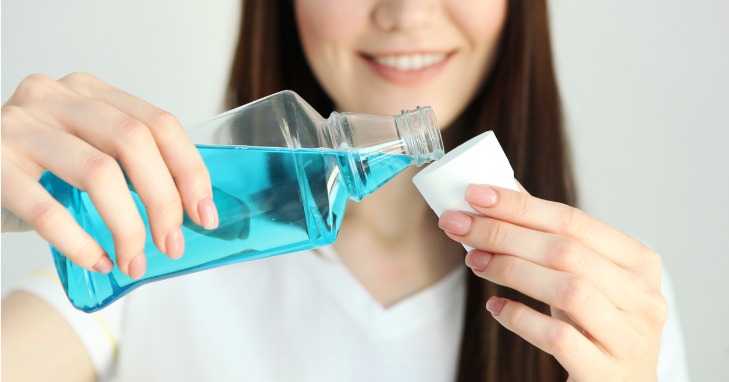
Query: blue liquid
pixel 270 201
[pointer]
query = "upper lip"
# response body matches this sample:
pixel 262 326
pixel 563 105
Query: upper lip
pixel 407 53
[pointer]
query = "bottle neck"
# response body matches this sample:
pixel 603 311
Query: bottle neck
pixel 413 133
pixel 380 147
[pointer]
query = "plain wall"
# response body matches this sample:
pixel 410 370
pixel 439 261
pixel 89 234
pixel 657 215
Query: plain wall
pixel 644 84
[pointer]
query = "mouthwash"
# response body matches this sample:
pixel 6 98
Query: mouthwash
pixel 270 199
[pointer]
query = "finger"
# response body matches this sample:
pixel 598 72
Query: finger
pixel 624 289
pixel 131 143
pixel 90 170
pixel 578 297
pixel 120 136
pixel 183 160
pixel 27 134
pixel 581 359
pixel 28 200
pixel 524 210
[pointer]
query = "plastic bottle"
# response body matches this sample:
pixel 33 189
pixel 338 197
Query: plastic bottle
pixel 281 176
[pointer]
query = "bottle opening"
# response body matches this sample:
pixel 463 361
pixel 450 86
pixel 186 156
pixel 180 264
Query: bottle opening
pixel 419 130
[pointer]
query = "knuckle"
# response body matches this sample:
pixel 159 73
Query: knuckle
pixel 138 234
pixel 561 339
pixel 33 87
pixel 45 215
pixel 194 182
pixel 86 254
pixel 659 309
pixel 99 169
pixel 517 318
pixel 574 293
pixel 130 241
pixel 507 272
pixel 134 133
pixel 652 260
pixel 496 234
pixel 649 264
pixel 520 207
pixel 35 79
pixel 577 222
pixel 568 256
pixel 80 78
pixel 11 117
pixel 199 173
pixel 14 125
pixel 164 121
pixel 170 203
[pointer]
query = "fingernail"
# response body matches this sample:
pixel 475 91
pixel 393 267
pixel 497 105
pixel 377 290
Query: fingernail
pixel 479 195
pixel 104 265
pixel 137 267
pixel 478 260
pixel 495 304
pixel 208 213
pixel 455 222
pixel 175 244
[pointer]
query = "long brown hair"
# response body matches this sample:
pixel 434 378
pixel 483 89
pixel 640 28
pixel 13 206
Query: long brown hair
pixel 519 102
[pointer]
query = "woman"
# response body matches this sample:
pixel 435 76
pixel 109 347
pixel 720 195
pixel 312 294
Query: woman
pixel 483 65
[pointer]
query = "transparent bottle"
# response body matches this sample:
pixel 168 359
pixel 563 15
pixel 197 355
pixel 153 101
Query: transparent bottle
pixel 281 176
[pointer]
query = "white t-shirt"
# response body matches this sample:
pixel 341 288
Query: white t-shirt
pixel 297 317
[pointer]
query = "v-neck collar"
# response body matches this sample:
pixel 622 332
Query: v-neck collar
pixel 445 296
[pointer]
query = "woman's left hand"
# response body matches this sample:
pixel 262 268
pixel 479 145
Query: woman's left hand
pixel 603 286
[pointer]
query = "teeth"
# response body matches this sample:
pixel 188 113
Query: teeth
pixel 410 61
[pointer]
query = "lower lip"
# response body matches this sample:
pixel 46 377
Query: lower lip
pixel 406 77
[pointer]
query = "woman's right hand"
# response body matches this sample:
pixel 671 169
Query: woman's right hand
pixel 85 131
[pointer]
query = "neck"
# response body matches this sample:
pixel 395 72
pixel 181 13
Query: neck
pixel 391 242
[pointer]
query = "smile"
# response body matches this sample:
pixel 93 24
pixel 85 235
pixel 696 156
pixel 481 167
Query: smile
pixel 410 62
pixel 408 69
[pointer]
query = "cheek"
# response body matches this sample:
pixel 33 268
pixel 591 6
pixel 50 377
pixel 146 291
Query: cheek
pixel 315 33
pixel 329 31
pixel 481 22
pixel 324 24
pixel 311 30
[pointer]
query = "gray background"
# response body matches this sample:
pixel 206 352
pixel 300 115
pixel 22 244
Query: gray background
pixel 644 83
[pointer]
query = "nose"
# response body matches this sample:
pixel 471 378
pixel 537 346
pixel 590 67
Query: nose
pixel 393 15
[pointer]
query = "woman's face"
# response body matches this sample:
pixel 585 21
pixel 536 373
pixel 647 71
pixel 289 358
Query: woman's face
pixel 383 56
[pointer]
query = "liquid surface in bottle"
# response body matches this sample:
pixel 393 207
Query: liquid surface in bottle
pixel 270 201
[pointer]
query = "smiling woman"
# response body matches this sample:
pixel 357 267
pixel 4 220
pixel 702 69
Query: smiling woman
pixel 382 57
pixel 391 299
